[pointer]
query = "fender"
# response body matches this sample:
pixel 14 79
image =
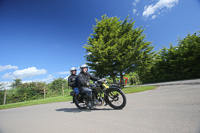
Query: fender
pixel 111 88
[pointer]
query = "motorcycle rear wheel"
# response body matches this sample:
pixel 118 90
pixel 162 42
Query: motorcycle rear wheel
pixel 79 102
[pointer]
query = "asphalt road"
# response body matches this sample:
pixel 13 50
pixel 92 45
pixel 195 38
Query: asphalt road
pixel 171 108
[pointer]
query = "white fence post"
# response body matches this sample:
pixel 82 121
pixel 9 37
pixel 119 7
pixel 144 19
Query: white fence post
pixel 4 102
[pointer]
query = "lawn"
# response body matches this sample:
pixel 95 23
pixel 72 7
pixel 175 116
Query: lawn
pixel 137 89
pixel 36 102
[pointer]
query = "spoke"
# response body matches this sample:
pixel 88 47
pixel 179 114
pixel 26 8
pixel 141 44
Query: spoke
pixel 115 98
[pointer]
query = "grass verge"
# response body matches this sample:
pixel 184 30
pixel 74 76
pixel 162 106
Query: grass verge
pixel 138 89
pixel 69 98
pixel 36 102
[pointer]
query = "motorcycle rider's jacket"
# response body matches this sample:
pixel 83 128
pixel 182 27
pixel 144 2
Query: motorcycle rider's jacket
pixel 84 79
pixel 72 81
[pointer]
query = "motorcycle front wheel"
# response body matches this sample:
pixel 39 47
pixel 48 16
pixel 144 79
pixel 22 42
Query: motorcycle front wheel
pixel 116 98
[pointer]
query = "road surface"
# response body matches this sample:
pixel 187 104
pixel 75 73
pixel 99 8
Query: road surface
pixel 171 108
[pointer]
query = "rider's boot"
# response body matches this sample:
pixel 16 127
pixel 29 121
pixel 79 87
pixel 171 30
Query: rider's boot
pixel 89 103
pixel 73 101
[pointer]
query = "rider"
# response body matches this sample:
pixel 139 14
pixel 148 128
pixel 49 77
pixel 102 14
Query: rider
pixel 83 82
pixel 72 79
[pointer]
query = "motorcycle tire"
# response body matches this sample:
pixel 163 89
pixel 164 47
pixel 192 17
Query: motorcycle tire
pixel 79 102
pixel 116 98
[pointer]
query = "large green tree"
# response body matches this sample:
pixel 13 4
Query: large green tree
pixel 177 62
pixel 116 48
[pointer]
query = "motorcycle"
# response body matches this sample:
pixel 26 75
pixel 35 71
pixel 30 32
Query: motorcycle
pixel 102 94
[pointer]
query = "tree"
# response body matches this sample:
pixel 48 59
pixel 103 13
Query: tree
pixel 17 83
pixel 116 48
pixel 1 86
pixel 58 84
pixel 177 63
pixel 1 93
pixel 189 55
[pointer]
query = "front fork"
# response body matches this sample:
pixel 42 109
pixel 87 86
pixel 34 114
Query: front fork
pixel 106 94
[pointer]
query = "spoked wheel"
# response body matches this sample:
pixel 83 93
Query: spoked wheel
pixel 116 98
pixel 79 102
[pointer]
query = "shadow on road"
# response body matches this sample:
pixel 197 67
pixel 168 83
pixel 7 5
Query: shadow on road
pixel 76 110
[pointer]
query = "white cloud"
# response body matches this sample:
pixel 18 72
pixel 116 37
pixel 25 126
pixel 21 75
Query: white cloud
pixel 6 84
pixel 148 10
pixel 47 80
pixel 68 72
pixel 7 67
pixel 89 53
pixel 134 11
pixel 135 2
pixel 154 16
pixel 25 73
pixel 65 72
pixel 7 76
pixel 153 8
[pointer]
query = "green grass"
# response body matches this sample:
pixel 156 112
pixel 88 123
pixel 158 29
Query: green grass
pixel 36 102
pixel 137 89
pixel 69 98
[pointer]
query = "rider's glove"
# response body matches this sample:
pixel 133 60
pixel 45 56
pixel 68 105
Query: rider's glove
pixel 87 84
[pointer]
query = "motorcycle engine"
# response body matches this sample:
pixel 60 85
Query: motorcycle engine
pixel 99 101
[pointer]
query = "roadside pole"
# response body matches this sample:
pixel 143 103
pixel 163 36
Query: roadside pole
pixel 63 89
pixel 4 102
pixel 44 91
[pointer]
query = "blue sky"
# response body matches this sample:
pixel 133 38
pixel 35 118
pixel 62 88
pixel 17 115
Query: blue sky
pixel 41 40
